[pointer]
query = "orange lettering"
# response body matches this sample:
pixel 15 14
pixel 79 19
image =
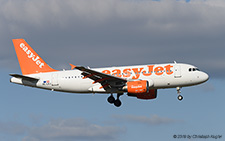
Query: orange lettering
pixel 168 69
pixel 137 72
pixel 150 70
pixel 116 72
pixel 126 73
pixel 106 71
pixel 158 70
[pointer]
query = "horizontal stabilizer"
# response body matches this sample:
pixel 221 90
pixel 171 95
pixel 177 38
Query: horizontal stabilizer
pixel 23 77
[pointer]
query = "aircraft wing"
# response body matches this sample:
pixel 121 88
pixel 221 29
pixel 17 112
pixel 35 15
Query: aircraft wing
pixel 108 82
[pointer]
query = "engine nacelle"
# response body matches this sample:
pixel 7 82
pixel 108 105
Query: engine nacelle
pixel 135 87
pixel 152 94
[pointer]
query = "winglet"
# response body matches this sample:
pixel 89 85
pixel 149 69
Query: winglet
pixel 72 66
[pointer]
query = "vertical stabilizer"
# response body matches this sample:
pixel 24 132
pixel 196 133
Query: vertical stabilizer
pixel 30 62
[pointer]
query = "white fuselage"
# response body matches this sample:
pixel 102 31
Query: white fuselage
pixel 159 76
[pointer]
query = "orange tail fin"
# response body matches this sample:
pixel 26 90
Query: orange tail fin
pixel 30 62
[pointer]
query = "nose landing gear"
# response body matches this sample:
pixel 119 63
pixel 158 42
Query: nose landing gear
pixel 114 101
pixel 180 97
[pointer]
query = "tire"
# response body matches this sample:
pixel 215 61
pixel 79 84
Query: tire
pixel 180 97
pixel 111 99
pixel 117 103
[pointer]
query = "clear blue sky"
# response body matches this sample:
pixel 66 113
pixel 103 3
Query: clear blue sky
pixel 109 33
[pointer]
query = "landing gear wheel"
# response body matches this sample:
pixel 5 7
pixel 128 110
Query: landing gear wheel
pixel 117 103
pixel 111 99
pixel 114 101
pixel 180 97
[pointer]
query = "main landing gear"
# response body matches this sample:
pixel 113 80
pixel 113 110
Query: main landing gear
pixel 114 101
pixel 180 97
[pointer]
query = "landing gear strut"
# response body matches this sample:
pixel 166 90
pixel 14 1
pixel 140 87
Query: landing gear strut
pixel 114 101
pixel 180 97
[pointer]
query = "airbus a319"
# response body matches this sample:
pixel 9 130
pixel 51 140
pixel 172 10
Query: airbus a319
pixel 140 81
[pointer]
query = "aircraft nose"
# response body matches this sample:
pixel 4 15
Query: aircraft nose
pixel 204 76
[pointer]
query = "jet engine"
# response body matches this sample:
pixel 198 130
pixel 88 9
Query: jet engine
pixel 141 86
pixel 140 89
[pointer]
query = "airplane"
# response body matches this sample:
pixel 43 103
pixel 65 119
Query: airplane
pixel 140 81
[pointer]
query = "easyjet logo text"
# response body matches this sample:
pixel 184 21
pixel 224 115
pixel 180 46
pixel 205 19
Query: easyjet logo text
pixel 31 55
pixel 135 73
pixel 136 87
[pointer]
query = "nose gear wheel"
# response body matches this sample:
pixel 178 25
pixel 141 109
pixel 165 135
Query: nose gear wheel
pixel 180 97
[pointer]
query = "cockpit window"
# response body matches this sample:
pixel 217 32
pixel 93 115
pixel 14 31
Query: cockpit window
pixel 193 69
